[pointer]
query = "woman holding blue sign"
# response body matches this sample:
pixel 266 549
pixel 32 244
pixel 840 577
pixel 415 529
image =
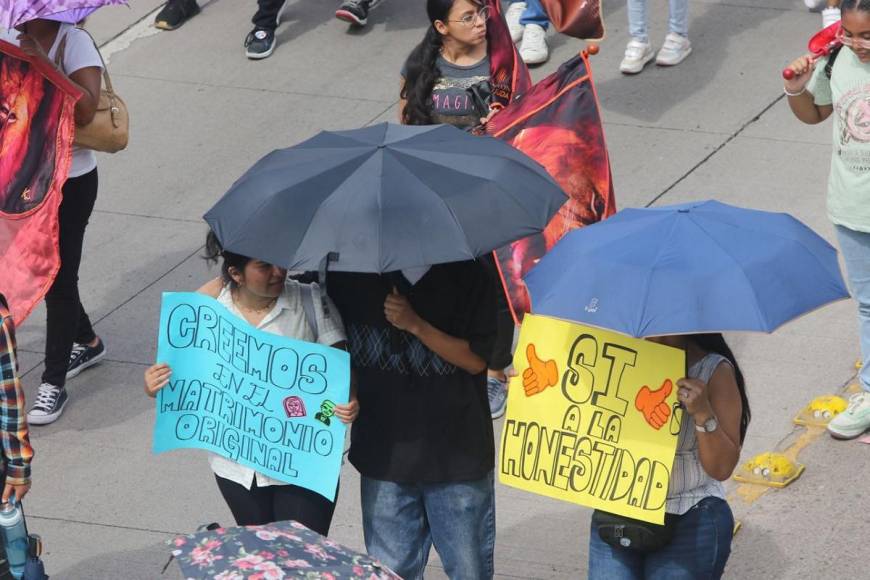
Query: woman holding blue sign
pixel 260 294
pixel 695 541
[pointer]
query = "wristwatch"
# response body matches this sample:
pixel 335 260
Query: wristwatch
pixel 708 426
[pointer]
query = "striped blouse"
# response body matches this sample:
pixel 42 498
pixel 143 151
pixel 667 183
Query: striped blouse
pixel 689 482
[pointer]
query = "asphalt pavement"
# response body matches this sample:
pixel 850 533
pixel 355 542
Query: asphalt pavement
pixel 716 126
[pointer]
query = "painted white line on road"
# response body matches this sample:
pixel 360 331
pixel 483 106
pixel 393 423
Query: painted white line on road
pixel 142 29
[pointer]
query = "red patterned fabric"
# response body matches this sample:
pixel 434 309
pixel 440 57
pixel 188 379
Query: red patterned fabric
pixel 36 134
pixel 557 123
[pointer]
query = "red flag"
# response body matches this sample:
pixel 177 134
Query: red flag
pixel 557 123
pixel 36 134
pixel 509 75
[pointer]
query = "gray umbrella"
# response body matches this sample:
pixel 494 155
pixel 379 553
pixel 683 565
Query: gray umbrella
pixel 384 198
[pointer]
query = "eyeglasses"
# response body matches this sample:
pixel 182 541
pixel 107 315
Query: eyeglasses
pixel 471 19
pixel 852 42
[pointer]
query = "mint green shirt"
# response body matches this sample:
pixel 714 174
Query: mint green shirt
pixel 848 91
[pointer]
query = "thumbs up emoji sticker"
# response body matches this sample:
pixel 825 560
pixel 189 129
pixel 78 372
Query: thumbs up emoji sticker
pixel 540 375
pixel 653 406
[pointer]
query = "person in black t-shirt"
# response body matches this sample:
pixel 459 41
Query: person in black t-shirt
pixel 423 441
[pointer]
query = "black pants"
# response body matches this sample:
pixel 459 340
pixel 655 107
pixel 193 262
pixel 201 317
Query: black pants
pixel 67 321
pixel 276 503
pixel 266 16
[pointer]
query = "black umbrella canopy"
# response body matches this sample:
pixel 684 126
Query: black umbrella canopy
pixel 384 198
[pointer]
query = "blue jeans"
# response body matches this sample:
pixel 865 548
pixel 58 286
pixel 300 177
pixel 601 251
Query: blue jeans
pixel 855 247
pixel 699 550
pixel 402 521
pixel 678 21
pixel 534 14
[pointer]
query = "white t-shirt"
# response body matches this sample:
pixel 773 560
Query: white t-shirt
pixel 80 52
pixel 287 318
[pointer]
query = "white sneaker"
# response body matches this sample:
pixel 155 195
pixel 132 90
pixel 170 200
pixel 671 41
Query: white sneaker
pixel 830 16
pixel 512 15
pixel 637 54
pixel 534 49
pixel 815 5
pixel 854 420
pixel 674 51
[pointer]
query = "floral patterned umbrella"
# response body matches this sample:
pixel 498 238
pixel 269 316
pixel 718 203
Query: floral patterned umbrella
pixel 271 552
pixel 15 12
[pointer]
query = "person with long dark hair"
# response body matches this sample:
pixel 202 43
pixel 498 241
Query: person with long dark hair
pixel 261 294
pixel 699 522
pixel 435 83
pixel 71 345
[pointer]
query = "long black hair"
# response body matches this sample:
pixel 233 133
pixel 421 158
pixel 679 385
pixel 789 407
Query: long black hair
pixel 215 253
pixel 421 68
pixel 716 343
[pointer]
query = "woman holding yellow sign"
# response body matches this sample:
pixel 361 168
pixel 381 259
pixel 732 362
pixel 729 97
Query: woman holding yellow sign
pixel 695 541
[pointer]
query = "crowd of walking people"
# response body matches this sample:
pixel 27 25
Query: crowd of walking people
pixel 422 436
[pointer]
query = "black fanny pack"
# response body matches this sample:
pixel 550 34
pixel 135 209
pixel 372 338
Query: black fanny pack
pixel 631 534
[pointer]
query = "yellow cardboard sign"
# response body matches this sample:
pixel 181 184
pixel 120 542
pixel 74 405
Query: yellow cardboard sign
pixel 592 418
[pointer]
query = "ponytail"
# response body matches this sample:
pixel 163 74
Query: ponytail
pixel 716 343
pixel 421 72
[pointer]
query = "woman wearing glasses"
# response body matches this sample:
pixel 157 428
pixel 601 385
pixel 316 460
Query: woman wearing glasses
pixel 838 85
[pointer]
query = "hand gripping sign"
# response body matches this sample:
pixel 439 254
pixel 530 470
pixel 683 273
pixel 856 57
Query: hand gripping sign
pixel 592 418
pixel 260 399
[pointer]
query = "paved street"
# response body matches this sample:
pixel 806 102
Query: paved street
pixel 716 126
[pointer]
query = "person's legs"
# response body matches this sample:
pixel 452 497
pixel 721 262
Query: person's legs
pixel 638 52
pixel 637 20
pixel 356 11
pixel 501 358
pixel 64 309
pixel 250 507
pixel 175 13
pixel 700 547
pixel 395 527
pixel 462 519
pixel 676 46
pixel 609 563
pixel 309 508
pixel 678 17
pixel 855 248
pixel 535 14
pixel 268 14
pixel 260 42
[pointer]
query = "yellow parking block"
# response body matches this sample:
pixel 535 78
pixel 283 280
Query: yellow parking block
pixel 770 470
pixel 821 410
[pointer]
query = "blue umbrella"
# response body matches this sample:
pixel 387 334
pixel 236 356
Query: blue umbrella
pixel 384 198
pixel 690 268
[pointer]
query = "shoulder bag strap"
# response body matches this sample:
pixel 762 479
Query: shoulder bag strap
pixel 308 307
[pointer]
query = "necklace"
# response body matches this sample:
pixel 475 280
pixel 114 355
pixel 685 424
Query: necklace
pixel 262 310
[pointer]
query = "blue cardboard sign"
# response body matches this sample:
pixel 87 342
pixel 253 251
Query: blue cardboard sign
pixel 257 398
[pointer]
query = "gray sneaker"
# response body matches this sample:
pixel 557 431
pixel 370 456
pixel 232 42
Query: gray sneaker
pixel 497 391
pixel 854 420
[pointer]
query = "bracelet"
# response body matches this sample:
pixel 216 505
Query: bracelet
pixel 797 94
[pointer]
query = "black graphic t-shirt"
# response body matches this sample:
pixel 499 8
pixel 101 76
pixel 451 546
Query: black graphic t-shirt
pixel 451 102
pixel 422 420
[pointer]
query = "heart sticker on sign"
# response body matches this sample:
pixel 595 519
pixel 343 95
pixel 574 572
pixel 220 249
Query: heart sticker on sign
pixel 294 407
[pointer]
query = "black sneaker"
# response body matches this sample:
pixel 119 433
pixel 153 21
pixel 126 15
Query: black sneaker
pixel 260 44
pixel 49 404
pixel 356 11
pixel 175 13
pixel 83 356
